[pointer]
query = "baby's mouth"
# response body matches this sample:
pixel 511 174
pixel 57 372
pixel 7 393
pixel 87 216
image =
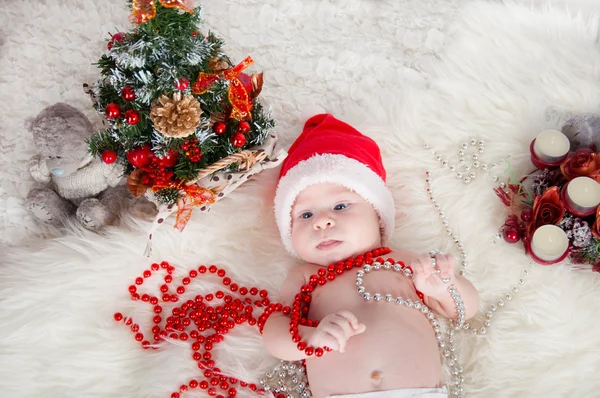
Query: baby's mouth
pixel 329 244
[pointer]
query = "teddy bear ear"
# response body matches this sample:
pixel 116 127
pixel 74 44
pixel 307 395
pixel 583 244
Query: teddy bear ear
pixel 29 123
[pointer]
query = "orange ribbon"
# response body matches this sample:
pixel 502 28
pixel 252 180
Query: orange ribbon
pixel 193 195
pixel 237 94
pixel 145 10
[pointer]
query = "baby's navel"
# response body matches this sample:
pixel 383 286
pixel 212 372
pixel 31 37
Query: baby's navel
pixel 376 377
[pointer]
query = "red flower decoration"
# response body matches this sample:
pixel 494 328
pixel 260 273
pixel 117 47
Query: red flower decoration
pixel 584 162
pixel 547 209
pixel 596 226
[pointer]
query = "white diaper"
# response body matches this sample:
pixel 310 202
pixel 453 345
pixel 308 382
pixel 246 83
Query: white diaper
pixel 402 393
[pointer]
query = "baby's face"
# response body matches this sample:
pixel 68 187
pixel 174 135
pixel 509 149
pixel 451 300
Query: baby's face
pixel 331 223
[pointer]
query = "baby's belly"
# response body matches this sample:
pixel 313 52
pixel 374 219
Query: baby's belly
pixel 397 350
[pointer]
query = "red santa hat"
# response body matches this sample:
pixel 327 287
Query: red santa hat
pixel 329 150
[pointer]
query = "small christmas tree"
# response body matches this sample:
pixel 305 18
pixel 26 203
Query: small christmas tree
pixel 174 104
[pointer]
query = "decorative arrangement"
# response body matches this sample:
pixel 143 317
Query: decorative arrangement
pixel 178 112
pixel 554 209
pixel 203 323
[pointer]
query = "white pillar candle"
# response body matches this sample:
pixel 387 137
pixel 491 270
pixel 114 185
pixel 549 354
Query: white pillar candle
pixel 549 243
pixel 583 193
pixel 551 146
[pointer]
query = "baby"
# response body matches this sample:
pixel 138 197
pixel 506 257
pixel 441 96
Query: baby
pixel 331 204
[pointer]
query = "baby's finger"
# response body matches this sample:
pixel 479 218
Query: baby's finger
pixel 445 263
pixel 344 325
pixel 336 332
pixel 360 329
pixel 418 265
pixel 350 317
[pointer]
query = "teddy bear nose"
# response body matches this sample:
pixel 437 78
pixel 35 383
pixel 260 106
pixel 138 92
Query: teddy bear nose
pixel 58 172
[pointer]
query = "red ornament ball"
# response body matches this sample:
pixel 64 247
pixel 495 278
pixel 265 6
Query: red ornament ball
pixel 109 156
pixel 132 117
pixel 238 140
pixel 511 235
pixel 170 159
pixel 128 94
pixel 219 128
pixel 182 83
pixel 526 215
pixel 139 157
pixel 112 111
pixel 118 37
pixel 243 127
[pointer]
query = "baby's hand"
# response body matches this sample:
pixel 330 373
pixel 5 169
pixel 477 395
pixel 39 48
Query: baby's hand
pixel 428 280
pixel 335 329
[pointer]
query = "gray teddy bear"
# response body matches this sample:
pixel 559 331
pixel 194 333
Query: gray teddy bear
pixel 73 181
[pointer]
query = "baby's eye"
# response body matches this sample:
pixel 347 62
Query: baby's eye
pixel 341 206
pixel 306 215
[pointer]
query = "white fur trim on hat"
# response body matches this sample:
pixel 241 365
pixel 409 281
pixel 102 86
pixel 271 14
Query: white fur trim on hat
pixel 338 169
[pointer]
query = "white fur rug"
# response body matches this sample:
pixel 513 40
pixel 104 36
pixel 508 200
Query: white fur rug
pixel 405 73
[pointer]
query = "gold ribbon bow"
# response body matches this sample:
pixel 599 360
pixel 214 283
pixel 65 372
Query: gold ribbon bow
pixel 238 96
pixel 193 195
pixel 145 10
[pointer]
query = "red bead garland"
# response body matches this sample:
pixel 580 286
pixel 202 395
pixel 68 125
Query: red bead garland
pixel 205 325
pixel 299 310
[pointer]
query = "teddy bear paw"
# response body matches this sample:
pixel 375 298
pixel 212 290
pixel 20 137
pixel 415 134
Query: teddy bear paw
pixel 92 214
pixel 41 212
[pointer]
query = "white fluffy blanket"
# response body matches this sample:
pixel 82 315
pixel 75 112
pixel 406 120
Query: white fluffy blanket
pixel 405 73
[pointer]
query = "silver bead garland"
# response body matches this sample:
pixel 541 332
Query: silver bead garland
pixel 446 345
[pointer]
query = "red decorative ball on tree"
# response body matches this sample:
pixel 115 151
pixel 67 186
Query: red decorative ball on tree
pixel 112 111
pixel 243 127
pixel 182 83
pixel 128 94
pixel 238 140
pixel 118 37
pixel 132 117
pixel 139 157
pixel 526 215
pixel 219 128
pixel 109 156
pixel 511 234
pixel 170 159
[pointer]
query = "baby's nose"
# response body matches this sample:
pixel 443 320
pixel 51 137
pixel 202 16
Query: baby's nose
pixel 323 222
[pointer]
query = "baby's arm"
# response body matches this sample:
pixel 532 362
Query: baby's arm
pixel 333 331
pixel 276 332
pixel 445 305
pixel 437 297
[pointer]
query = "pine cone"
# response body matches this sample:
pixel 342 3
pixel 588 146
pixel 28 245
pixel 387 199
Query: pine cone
pixel 176 117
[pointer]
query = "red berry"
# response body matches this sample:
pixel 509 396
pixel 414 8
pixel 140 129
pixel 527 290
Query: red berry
pixel 511 234
pixel 132 117
pixel 118 316
pixel 526 215
pixel 182 83
pixel 128 94
pixel 139 157
pixel 238 140
pixel 109 156
pixel 118 37
pixel 219 128
pixel 170 159
pixel 112 111
pixel 243 127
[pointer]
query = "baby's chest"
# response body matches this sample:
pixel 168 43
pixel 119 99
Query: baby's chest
pixel 342 293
